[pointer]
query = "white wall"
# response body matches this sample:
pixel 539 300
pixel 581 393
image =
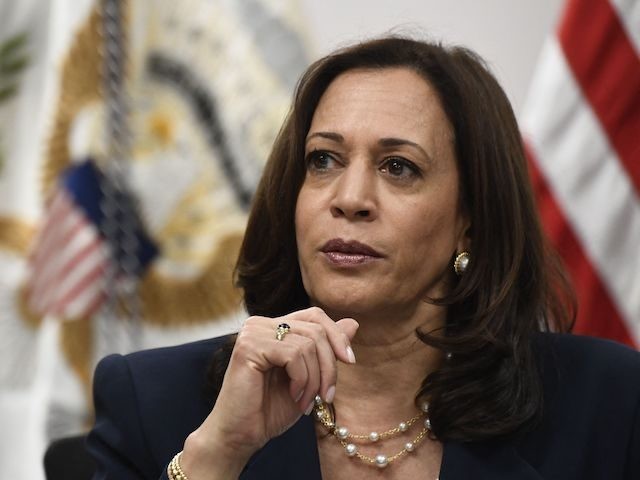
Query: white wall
pixel 507 33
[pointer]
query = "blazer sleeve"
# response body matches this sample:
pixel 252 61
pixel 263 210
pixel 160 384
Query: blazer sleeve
pixel 117 442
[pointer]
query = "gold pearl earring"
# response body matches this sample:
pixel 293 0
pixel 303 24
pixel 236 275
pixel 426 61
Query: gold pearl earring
pixel 461 263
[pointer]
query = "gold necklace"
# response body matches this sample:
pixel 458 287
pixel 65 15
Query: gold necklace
pixel 347 439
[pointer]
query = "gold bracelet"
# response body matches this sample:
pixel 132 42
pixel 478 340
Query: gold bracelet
pixel 174 471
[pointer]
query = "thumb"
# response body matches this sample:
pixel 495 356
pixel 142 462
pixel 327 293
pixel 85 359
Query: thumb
pixel 348 326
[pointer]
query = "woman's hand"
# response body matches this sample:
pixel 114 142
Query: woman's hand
pixel 268 385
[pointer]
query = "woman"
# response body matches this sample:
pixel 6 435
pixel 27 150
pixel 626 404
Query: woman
pixel 401 298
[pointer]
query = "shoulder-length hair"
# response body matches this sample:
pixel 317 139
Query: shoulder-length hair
pixel 514 285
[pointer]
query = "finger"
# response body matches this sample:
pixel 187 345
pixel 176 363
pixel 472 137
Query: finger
pixel 348 326
pixel 340 343
pixel 261 334
pixel 309 353
pixel 298 360
pixel 263 352
pixel 325 356
pixel 328 338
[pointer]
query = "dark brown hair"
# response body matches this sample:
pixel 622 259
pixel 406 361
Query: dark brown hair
pixel 514 286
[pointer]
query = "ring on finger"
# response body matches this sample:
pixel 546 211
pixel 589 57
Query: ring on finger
pixel 282 330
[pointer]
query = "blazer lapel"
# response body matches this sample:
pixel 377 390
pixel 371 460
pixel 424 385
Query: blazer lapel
pixel 292 455
pixel 485 461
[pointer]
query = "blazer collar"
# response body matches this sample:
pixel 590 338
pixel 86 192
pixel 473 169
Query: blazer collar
pixel 294 455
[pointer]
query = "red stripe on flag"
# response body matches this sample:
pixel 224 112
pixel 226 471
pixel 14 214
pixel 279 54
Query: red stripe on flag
pixel 75 291
pixel 58 215
pixel 81 255
pixel 46 271
pixel 597 314
pixel 607 68
pixel 67 245
pixel 45 267
pixel 52 289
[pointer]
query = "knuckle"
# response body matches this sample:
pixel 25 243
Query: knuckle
pixel 309 345
pixel 242 347
pixel 317 331
pixel 244 333
pixel 252 321
pixel 317 312
pixel 298 355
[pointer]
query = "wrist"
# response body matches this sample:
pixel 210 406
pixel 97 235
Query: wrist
pixel 205 457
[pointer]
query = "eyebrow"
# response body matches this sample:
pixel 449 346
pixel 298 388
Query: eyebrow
pixel 336 137
pixel 397 142
pixel 383 142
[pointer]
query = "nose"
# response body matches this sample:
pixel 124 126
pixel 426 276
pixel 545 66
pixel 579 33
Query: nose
pixel 355 193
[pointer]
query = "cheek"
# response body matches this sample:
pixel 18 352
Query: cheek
pixel 301 216
pixel 305 213
pixel 304 232
pixel 430 239
pixel 428 249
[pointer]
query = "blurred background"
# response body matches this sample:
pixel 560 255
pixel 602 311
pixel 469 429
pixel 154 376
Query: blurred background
pixel 133 134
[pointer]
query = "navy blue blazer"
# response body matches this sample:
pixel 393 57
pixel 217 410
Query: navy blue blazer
pixel 148 402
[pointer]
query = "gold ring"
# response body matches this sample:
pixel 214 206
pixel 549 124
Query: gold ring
pixel 282 330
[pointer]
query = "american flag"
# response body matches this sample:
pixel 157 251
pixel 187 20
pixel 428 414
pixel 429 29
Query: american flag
pixel 581 125
pixel 71 255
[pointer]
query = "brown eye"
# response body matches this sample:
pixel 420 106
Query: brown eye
pixel 320 160
pixel 400 168
pixel 395 167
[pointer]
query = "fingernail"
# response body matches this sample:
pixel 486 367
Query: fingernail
pixel 350 355
pixel 331 392
pixel 309 408
pixel 299 396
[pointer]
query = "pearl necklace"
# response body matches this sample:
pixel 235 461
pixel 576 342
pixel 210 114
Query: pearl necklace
pixel 345 437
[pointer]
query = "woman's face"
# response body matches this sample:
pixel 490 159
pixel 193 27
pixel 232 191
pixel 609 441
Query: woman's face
pixel 378 217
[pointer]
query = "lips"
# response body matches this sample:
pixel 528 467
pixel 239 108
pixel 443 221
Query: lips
pixel 342 252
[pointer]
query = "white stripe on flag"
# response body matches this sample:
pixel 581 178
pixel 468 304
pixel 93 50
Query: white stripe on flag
pixel 52 265
pixel 67 267
pixel 562 128
pixel 58 222
pixel 74 277
pixel 72 242
pixel 85 301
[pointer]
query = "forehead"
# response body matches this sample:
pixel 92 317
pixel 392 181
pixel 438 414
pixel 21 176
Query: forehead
pixel 383 102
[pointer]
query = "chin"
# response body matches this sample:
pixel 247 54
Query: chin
pixel 344 297
pixel 351 307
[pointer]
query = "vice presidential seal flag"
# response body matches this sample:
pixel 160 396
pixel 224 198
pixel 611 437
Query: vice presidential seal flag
pixel 132 137
pixel 581 126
